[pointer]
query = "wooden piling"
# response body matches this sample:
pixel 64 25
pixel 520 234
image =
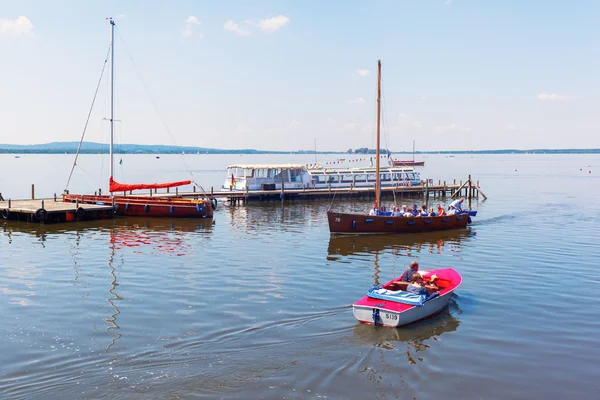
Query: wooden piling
pixel 32 191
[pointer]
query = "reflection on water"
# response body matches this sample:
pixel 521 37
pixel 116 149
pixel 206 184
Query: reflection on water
pixel 148 224
pixel 430 242
pixel 415 339
pixel 112 319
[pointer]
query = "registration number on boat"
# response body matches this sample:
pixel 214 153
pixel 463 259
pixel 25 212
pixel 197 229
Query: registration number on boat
pixel 393 317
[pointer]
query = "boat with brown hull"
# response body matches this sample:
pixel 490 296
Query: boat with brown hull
pixel 145 206
pixel 357 224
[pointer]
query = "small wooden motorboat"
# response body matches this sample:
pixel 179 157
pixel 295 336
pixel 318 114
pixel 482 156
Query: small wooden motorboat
pixel 394 307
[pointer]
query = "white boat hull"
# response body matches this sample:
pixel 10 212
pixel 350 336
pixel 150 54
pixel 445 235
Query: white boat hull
pixel 391 318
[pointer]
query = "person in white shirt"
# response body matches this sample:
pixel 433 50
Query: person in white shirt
pixel 374 210
pixel 457 204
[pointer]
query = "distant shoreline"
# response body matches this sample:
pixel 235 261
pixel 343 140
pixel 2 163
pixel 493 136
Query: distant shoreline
pixel 100 148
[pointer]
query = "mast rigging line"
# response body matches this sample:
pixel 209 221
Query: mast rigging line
pixel 155 105
pixel 87 121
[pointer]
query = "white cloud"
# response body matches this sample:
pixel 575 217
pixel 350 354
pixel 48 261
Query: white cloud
pixel 558 97
pixel 294 123
pixel 20 26
pixel 272 24
pixel 189 23
pixel 243 128
pixel 510 127
pixel 363 72
pixel 232 26
pixel 416 124
pixel 358 100
pixel 120 16
pixel 267 25
pixel 448 2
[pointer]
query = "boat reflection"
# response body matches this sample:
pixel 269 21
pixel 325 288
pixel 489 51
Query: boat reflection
pixel 431 242
pixel 414 338
pixel 149 225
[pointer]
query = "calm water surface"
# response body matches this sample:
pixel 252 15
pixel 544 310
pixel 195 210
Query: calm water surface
pixel 257 305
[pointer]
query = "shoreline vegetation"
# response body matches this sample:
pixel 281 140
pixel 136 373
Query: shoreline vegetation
pixel 100 148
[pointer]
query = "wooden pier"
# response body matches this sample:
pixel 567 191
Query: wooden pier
pixel 468 189
pixel 52 210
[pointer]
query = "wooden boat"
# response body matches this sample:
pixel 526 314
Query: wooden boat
pixel 393 313
pixel 140 205
pixel 356 224
pixel 408 163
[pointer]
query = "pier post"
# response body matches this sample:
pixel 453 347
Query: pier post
pixel 427 194
pixel 1 198
pixel 42 203
pixel 194 189
pixel 54 196
pixel 76 204
pixel 9 203
pixel 176 191
pixel 469 194
pixel 211 190
pixel 32 191
pixel 167 190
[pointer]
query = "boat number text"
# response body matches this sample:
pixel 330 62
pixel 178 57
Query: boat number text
pixel 391 316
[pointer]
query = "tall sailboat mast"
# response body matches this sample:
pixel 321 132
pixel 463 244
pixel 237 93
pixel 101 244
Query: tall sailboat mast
pixel 377 177
pixel 112 94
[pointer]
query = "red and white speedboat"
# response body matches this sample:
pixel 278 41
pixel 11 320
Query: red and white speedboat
pixel 396 308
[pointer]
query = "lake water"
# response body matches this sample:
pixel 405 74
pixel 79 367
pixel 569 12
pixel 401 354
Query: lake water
pixel 257 305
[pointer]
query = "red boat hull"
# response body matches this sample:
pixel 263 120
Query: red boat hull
pixel 408 163
pixel 142 206
pixel 358 224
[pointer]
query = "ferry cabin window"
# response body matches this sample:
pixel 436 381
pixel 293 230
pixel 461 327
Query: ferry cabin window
pixel 371 177
pixel 347 178
pixel 295 175
pixel 385 177
pixel 360 178
pixel 411 176
pixel 333 179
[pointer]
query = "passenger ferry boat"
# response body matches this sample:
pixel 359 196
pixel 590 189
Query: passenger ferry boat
pixel 242 177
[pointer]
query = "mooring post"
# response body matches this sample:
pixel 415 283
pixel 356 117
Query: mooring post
pixel 9 203
pixel 76 204
pixel 42 203
pixel 167 190
pixel 54 196
pixel 194 189
pixel 469 194
pixel 1 198
pixel 32 191
pixel 427 194
pixel 211 191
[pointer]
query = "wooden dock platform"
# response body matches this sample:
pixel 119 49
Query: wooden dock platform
pixel 441 189
pixel 51 210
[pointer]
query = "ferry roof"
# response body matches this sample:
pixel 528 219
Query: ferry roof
pixel 267 166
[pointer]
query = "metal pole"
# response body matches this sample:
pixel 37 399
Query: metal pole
pixel 112 94
pixel 377 177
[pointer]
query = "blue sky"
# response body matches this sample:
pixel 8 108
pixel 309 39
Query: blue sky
pixel 279 75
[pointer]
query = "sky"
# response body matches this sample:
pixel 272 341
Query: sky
pixel 295 75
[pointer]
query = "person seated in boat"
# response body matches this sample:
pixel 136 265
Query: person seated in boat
pixel 382 210
pixel 417 287
pixel 432 283
pixel 451 210
pixel 407 275
pixel 457 204
pixel 440 211
pixel 395 212
pixel 424 212
pixel 431 213
pixel 374 210
pixel 414 210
